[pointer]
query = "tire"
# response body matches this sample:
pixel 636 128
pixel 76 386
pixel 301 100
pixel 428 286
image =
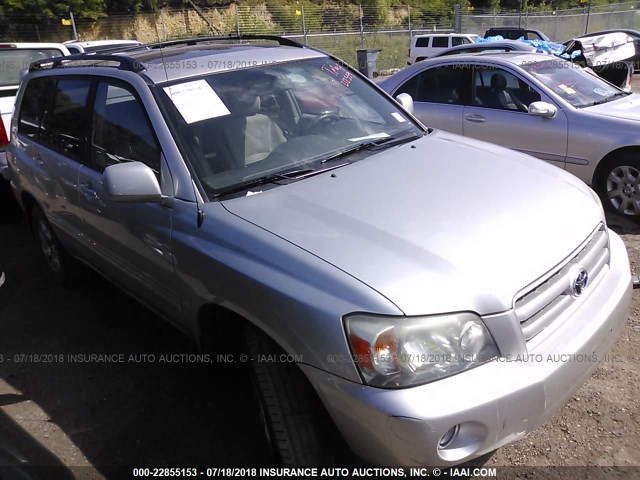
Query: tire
pixel 619 185
pixel 3 289
pixel 297 427
pixel 60 264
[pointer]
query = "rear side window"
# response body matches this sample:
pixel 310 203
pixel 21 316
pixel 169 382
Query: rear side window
pixel 444 84
pixel 121 129
pixel 13 60
pixel 65 125
pixel 455 41
pixel 422 41
pixel 35 100
pixel 440 42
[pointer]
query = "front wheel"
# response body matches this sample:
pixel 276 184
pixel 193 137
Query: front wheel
pixel 619 185
pixel 297 427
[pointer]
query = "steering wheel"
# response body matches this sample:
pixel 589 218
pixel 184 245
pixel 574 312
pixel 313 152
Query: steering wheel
pixel 322 121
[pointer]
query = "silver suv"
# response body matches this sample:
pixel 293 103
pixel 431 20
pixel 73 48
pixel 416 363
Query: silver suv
pixel 435 296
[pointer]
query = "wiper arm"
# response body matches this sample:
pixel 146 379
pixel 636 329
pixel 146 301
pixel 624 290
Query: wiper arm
pixel 382 142
pixel 290 175
pixel 297 174
pixel 617 94
pixel 606 99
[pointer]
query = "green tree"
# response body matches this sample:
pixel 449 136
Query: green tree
pixel 38 10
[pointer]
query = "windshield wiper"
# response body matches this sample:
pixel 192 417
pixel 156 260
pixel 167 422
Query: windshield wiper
pixel 296 174
pixel 606 99
pixel 617 94
pixel 273 178
pixel 372 144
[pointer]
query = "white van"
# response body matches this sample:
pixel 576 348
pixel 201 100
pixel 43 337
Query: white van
pixel 95 46
pixel 15 57
pixel 423 46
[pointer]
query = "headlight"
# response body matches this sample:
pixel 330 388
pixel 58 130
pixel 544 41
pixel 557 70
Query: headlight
pixel 395 352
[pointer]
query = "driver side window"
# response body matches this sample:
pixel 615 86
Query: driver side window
pixel 121 130
pixel 499 89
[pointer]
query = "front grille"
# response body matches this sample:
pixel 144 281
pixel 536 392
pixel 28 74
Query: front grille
pixel 541 305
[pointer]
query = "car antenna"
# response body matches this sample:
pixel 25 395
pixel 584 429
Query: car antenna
pixel 155 24
pixel 200 213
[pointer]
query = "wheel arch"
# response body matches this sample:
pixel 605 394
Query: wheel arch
pixel 608 158
pixel 28 203
pixel 216 320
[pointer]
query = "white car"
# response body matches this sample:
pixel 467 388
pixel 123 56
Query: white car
pixel 425 46
pixel 15 57
pixel 75 46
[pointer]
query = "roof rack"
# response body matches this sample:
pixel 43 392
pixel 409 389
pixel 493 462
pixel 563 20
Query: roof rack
pixel 133 65
pixel 284 41
pixel 124 63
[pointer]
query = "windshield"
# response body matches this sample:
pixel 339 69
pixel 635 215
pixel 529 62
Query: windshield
pixel 239 126
pixel 573 83
pixel 12 60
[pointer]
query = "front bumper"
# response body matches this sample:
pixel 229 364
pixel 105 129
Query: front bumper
pixel 493 404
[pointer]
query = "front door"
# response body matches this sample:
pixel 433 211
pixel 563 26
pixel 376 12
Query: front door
pixel 131 242
pixel 498 113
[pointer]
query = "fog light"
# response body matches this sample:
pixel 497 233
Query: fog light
pixel 448 437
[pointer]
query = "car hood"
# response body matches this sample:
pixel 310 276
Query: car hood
pixel 443 224
pixel 627 108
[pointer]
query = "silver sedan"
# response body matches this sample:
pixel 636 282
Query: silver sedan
pixel 540 105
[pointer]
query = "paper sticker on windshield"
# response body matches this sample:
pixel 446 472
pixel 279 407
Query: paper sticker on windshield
pixel 603 92
pixel 398 117
pixel 196 101
pixel 566 89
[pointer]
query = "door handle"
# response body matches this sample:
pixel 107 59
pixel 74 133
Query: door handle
pixel 475 118
pixel 88 191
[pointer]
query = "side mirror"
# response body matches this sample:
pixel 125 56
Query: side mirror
pixel 406 101
pixel 131 182
pixel 542 109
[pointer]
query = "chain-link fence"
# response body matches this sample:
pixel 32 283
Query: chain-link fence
pixel 339 29
pixel 560 25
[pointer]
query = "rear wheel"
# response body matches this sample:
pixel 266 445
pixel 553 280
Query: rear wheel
pixel 60 264
pixel 297 427
pixel 619 185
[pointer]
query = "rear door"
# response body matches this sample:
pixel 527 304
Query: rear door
pixel 439 95
pixel 131 242
pixel 52 128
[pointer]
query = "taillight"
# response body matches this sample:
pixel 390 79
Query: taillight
pixel 4 138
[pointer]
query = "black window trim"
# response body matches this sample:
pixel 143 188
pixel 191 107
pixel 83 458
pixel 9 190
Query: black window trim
pixel 88 120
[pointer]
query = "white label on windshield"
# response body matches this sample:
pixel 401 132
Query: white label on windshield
pixel 398 117
pixel 603 92
pixel 196 101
